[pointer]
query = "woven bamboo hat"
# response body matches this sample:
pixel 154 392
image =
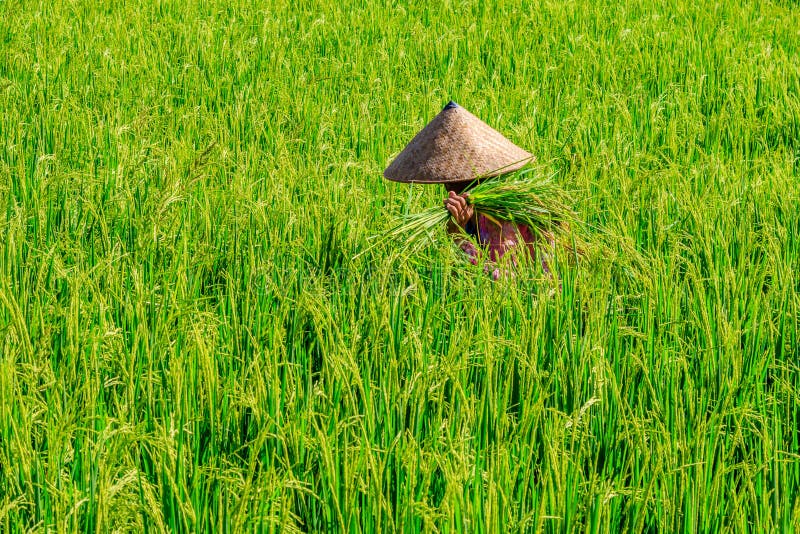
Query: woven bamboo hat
pixel 456 146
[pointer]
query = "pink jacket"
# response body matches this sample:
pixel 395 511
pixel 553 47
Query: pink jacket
pixel 498 238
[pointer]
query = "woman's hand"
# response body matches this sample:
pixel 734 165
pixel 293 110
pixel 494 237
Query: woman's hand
pixel 459 208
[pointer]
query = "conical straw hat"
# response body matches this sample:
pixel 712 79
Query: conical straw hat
pixel 456 146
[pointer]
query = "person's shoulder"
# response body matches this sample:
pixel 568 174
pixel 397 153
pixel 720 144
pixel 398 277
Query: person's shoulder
pixel 526 232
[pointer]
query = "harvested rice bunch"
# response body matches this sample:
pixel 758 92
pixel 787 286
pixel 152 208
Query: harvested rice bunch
pixel 528 196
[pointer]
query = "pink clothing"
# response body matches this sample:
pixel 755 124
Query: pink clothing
pixel 498 238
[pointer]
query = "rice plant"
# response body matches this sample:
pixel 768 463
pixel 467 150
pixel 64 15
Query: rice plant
pixel 528 197
pixel 189 341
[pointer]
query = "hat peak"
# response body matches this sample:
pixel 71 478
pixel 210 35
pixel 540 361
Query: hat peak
pixel 451 105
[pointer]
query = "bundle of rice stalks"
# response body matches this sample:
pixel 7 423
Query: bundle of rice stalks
pixel 528 196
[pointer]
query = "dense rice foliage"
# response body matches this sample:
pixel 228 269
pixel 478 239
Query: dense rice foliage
pixel 187 343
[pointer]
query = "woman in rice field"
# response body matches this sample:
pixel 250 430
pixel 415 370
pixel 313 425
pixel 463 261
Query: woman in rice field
pixel 457 149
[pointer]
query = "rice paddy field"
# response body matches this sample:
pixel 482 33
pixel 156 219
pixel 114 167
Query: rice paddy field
pixel 198 335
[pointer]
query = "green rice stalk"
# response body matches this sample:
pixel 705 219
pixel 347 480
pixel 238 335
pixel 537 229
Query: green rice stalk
pixel 527 197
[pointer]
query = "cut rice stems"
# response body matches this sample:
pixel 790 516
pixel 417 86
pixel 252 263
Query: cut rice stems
pixel 528 197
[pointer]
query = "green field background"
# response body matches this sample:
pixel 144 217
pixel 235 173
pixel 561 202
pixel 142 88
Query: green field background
pixel 191 342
